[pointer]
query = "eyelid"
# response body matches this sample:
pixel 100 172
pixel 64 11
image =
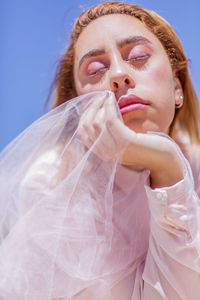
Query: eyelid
pixel 102 66
pixel 137 50
pixel 139 57
pixel 138 47
pixel 97 72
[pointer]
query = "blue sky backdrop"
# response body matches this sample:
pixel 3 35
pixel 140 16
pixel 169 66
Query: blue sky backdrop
pixel 33 35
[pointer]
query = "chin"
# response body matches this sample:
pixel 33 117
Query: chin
pixel 137 126
pixel 143 127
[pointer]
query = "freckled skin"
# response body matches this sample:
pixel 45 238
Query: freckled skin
pixel 154 81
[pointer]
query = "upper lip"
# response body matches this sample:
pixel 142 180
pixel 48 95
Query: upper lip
pixel 126 100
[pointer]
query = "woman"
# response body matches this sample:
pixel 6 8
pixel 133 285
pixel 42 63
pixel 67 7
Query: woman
pixel 102 202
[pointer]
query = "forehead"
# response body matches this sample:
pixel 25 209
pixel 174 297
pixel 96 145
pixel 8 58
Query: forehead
pixel 105 31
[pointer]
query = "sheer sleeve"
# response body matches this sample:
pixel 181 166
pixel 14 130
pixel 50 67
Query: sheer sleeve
pixel 68 231
pixel 172 267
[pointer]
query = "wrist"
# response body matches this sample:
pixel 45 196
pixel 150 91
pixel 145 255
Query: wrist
pixel 169 171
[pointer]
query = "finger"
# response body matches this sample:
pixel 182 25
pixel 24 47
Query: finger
pixel 99 119
pixel 102 151
pixel 96 104
pixel 106 112
pixel 110 143
pixel 110 106
pixel 85 139
pixel 106 146
pixel 120 132
pixel 90 115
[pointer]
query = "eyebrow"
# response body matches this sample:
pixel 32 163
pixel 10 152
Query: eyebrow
pixel 133 39
pixel 120 44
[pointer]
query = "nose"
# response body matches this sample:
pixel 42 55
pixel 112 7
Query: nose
pixel 120 78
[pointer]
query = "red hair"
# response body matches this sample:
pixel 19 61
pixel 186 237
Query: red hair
pixel 64 79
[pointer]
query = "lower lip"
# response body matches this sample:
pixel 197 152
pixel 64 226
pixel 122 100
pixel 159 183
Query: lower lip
pixel 132 107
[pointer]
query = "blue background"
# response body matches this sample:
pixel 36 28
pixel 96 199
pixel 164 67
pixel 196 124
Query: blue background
pixel 33 35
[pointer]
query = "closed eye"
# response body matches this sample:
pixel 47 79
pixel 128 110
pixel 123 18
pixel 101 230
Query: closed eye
pixel 97 72
pixel 96 67
pixel 139 62
pixel 138 58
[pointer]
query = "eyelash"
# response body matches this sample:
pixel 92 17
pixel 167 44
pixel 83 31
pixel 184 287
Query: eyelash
pixel 134 59
pixel 97 72
pixel 139 58
pixel 141 61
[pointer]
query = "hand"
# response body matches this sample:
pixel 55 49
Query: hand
pixel 102 130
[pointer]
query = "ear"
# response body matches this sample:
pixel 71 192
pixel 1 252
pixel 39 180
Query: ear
pixel 178 91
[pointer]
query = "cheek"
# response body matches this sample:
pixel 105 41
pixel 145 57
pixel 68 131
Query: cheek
pixel 81 90
pixel 159 79
pixel 160 83
pixel 84 86
pixel 161 74
pixel 162 79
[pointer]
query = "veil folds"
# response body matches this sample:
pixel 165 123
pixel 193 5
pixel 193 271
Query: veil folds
pixel 71 225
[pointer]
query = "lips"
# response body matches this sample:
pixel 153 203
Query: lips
pixel 130 103
pixel 130 100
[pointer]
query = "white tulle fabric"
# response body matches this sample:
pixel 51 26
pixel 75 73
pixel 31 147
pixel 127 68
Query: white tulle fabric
pixel 72 225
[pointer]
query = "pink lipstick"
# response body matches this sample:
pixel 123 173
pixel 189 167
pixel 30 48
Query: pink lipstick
pixel 128 103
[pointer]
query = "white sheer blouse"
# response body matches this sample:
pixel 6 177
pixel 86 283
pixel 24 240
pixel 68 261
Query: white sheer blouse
pixel 78 228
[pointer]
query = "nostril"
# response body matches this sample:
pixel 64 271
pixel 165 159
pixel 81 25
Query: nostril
pixel 116 85
pixel 127 81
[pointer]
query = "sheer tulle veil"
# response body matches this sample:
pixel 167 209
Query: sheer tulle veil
pixel 70 226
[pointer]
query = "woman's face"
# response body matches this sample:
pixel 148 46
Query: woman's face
pixel 118 53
